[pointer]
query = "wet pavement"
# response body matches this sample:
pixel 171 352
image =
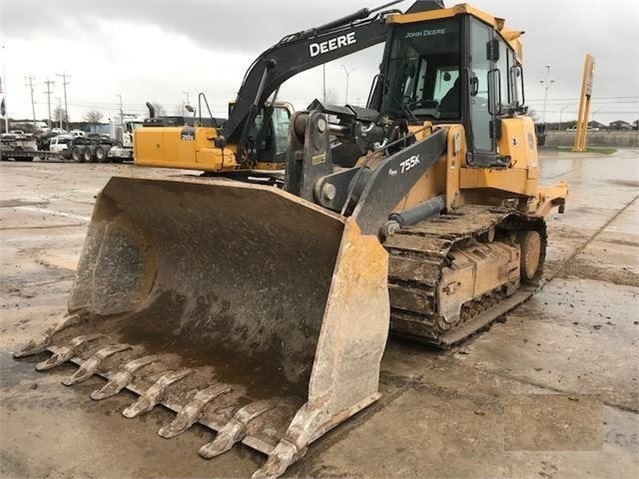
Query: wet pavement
pixel 552 392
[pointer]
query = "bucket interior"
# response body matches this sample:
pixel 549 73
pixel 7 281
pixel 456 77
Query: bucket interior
pixel 221 273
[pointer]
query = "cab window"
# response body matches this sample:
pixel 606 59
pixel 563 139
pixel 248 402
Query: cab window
pixel 422 80
pixel 273 138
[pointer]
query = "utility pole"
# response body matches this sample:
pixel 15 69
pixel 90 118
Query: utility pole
pixel 4 92
pixel 348 74
pixel 65 82
pixel 30 79
pixel 60 111
pixel 561 114
pixel 186 93
pixel 324 83
pixel 121 110
pixel 547 83
pixel 48 83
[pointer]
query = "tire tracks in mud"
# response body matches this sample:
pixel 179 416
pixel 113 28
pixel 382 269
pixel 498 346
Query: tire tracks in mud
pixel 566 263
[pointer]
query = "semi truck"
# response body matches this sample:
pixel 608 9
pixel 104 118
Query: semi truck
pixel 122 135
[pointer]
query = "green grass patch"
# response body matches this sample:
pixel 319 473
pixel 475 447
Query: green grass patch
pixel 603 150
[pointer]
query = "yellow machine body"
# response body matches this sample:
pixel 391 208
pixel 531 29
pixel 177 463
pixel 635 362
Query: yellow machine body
pixel 181 147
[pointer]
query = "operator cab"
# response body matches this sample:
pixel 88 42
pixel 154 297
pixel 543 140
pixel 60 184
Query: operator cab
pixel 458 69
pixel 423 72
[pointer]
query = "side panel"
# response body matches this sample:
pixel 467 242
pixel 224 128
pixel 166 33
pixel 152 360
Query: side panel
pixel 181 147
pixel 518 141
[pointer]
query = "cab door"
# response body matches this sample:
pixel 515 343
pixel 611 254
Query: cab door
pixel 487 70
pixel 480 66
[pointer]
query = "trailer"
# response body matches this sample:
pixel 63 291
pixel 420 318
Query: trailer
pixel 82 149
pixel 18 146
pixel 90 148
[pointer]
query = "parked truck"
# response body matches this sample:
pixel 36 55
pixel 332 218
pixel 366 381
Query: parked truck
pixel 122 135
pixel 18 146
pixel 91 148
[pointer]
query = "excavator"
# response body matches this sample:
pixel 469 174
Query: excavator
pixel 257 299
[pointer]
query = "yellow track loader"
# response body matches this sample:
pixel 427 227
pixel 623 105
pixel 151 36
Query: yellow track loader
pixel 257 299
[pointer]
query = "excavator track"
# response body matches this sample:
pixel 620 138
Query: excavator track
pixel 421 254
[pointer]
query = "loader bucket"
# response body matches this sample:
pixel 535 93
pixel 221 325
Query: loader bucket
pixel 238 306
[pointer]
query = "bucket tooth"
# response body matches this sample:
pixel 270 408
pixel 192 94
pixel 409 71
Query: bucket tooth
pixel 92 364
pixel 33 347
pixel 310 421
pixel 36 347
pixel 193 410
pixel 155 393
pixel 67 321
pixel 284 454
pixel 123 377
pixel 64 353
pixel 234 430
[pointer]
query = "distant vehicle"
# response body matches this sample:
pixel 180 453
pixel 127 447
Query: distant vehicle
pixel 91 148
pixel 59 143
pixel 77 133
pixel 42 126
pixel 122 134
pixel 541 130
pixel 17 146
pixel 58 131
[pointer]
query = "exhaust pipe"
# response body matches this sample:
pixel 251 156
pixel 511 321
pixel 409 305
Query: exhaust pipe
pixel 151 108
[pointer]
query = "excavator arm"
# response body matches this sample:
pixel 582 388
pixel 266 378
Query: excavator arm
pixel 296 53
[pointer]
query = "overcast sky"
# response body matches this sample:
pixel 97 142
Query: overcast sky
pixel 158 50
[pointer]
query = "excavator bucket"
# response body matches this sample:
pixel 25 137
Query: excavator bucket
pixel 238 306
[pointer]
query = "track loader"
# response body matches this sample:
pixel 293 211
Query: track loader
pixel 257 299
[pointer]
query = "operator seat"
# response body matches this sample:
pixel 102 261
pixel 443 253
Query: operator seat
pixel 451 101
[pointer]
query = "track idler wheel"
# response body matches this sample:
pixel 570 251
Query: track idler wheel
pixel 530 242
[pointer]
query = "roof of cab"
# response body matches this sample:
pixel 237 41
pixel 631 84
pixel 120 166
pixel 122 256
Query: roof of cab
pixel 512 37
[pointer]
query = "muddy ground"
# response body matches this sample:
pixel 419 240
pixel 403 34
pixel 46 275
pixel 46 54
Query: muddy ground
pixel 552 392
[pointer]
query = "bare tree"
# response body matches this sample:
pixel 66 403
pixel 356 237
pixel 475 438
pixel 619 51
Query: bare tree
pixel 93 116
pixel 60 114
pixel 533 114
pixel 179 110
pixel 159 109
pixel 331 96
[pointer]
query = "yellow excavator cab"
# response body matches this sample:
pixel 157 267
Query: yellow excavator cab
pixel 198 147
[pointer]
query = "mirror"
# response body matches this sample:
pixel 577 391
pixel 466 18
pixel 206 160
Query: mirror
pixel 516 78
pixel 492 50
pixel 474 85
pixel 494 91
